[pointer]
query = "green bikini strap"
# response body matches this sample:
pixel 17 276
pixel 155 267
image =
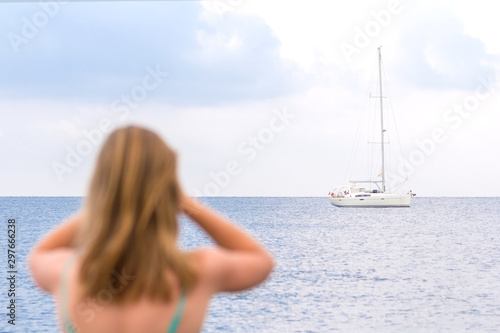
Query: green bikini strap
pixel 179 311
pixel 64 296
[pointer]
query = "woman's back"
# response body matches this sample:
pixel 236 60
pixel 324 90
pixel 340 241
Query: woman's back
pixel 184 311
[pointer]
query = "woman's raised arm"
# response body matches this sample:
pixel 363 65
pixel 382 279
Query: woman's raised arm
pixel 240 262
pixel 46 257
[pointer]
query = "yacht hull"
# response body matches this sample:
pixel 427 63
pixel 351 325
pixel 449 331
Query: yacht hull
pixel 374 200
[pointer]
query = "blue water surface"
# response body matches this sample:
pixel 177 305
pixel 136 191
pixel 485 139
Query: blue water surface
pixel 434 267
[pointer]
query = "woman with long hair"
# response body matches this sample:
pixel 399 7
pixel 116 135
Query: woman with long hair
pixel 115 266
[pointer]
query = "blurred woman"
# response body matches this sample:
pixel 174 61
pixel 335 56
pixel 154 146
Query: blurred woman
pixel 116 266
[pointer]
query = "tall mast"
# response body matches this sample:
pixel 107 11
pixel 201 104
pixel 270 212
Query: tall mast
pixel 381 117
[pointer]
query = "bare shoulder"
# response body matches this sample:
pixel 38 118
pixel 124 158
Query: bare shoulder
pixel 227 270
pixel 209 263
pixel 46 267
pixel 207 260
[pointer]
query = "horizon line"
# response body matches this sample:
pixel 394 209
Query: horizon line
pixel 235 196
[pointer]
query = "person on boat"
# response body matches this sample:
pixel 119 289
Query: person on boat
pixel 115 266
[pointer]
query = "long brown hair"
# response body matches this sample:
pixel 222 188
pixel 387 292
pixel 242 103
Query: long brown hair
pixel 130 222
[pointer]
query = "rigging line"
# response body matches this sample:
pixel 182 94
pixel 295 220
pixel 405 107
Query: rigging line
pixel 353 149
pixel 401 183
pixel 398 186
pixel 357 138
pixel 364 118
pixel 389 132
pixel 367 137
pixel 396 126
pixel 353 153
pixel 387 157
pixel 372 150
pixel 388 138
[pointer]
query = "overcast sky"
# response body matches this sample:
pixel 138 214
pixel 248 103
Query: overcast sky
pixel 259 98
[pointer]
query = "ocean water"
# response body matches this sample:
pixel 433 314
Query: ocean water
pixel 434 267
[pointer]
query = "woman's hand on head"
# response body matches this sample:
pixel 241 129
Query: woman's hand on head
pixel 239 261
pixel 182 200
pixel 188 205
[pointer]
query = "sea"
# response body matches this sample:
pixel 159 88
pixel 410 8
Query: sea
pixel 433 267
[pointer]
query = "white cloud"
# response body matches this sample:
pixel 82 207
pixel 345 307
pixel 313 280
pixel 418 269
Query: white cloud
pixel 216 45
pixel 480 21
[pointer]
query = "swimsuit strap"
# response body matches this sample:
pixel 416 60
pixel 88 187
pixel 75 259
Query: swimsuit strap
pixel 179 311
pixel 64 295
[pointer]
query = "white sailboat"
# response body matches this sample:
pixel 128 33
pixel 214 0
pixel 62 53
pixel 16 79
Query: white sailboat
pixel 353 195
